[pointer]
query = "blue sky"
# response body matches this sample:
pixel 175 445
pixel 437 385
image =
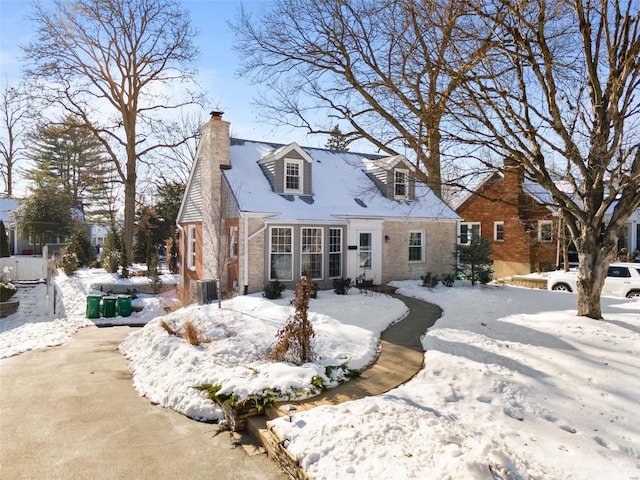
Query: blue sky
pixel 218 64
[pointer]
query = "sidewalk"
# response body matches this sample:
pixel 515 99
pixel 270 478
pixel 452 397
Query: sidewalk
pixel 401 358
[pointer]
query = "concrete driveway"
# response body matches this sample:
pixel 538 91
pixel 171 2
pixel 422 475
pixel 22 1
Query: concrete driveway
pixel 71 412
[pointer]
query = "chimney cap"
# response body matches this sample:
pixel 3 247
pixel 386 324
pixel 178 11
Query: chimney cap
pixel 216 114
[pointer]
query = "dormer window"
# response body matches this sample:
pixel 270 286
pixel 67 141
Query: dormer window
pixel 293 175
pixel 401 184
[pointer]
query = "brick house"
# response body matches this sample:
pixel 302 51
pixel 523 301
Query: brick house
pixel 257 211
pixel 515 215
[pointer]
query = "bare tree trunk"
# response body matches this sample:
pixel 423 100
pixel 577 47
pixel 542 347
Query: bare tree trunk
pixel 592 270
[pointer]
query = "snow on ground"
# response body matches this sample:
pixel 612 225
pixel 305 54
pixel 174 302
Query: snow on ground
pixel 242 333
pixel 515 385
pixel 45 319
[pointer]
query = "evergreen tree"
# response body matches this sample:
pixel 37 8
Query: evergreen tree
pixel 4 241
pixel 80 244
pixel 473 260
pixel 169 198
pixel 67 156
pixel 111 251
pixel 46 214
pixel 337 140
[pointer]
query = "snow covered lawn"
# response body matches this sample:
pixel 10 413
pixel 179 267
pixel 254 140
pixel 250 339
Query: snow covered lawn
pixel 515 385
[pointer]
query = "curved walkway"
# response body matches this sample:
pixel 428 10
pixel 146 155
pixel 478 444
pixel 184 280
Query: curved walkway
pixel 401 358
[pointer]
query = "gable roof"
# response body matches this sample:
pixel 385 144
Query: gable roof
pixel 529 187
pixel 341 188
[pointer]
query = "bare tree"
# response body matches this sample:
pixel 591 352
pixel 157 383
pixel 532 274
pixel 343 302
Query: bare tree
pixel 171 165
pixel 119 66
pixel 385 69
pixel 563 102
pixel 15 110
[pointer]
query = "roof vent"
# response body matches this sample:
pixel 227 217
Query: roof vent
pixel 360 202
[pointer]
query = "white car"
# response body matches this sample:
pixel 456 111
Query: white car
pixel 623 280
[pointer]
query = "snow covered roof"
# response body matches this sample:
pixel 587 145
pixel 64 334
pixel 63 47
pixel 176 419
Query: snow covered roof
pixel 341 188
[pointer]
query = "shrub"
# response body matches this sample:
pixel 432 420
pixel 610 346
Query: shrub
pixel 273 290
pixel 341 285
pixel 473 261
pixel 80 244
pixel 429 280
pixel 191 334
pixel 7 290
pixel 69 261
pixel 170 329
pixel 484 277
pixel 294 339
pixel 448 280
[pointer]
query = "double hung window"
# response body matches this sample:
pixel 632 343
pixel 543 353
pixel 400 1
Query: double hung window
pixel 335 252
pixel 281 254
pixel 416 246
pixel 311 251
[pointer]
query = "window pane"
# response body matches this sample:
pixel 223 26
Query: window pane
pixel 400 184
pixel 281 267
pixel 311 248
pixel 415 246
pixel 292 180
pixel 335 252
pixel 281 257
pixel 464 236
pixel 365 251
pixel 544 231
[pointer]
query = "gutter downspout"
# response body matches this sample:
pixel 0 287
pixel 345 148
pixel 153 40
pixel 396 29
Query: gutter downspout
pixel 248 237
pixel 183 273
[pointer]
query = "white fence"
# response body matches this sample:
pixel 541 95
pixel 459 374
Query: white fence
pixel 20 268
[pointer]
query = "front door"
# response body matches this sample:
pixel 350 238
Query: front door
pixel 364 253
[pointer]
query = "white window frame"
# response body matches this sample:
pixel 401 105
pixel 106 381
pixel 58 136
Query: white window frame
pixel 541 225
pixel 469 232
pixel 335 250
pixel 420 246
pixel 271 252
pixel 312 253
pixel 233 242
pixel 300 164
pixel 191 248
pixel 405 183
pixel 495 231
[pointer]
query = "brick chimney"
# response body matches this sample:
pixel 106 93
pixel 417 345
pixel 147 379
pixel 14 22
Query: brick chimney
pixel 513 176
pixel 215 134
pixel 213 157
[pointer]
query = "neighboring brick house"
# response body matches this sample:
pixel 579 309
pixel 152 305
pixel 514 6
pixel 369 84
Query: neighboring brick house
pixel 513 213
pixel 265 211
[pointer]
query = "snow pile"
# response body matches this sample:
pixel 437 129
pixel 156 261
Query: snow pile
pixel 239 338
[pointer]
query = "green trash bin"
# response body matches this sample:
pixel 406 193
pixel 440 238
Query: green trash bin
pixel 124 305
pixel 93 306
pixel 109 306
